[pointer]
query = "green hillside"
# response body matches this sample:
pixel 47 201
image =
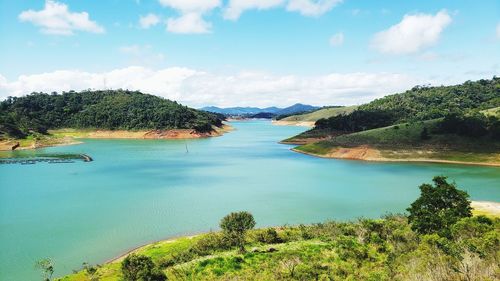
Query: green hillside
pixel 319 114
pixel 456 123
pixel 417 104
pixel 36 113
pixel 406 141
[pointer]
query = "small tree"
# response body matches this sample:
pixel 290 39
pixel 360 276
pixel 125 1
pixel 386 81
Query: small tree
pixel 47 267
pixel 91 271
pixel 141 268
pixel 424 134
pixel 438 207
pixel 235 226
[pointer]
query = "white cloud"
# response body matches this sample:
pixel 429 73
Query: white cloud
pixel 236 7
pixel 186 6
pixel 189 23
pixel 56 19
pixel 199 88
pixel 148 20
pixel 337 39
pixel 498 30
pixel 191 15
pixel 413 34
pixel 312 7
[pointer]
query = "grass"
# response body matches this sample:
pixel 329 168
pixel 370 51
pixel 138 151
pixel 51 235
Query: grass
pixel 492 112
pixel 381 249
pixel 403 141
pixel 320 113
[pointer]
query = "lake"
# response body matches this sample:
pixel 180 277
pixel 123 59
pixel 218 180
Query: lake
pixel 138 191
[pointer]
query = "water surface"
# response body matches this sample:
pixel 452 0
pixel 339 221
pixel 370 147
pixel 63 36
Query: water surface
pixel 137 191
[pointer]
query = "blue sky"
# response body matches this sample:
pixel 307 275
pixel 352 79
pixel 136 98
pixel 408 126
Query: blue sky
pixel 247 52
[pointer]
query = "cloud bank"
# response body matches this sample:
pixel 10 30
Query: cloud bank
pixel 199 88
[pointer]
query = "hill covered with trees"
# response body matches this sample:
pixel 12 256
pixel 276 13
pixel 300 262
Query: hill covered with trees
pixel 451 118
pixel 109 110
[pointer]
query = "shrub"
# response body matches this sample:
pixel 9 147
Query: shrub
pixel 141 268
pixel 235 225
pixel 268 236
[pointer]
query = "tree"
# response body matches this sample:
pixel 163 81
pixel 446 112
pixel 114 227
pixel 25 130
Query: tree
pixel 141 268
pixel 47 267
pixel 438 207
pixel 424 135
pixel 91 271
pixel 235 226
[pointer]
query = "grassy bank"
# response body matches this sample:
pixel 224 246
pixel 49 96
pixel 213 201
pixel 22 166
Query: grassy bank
pixel 308 119
pixel 382 249
pixel 403 142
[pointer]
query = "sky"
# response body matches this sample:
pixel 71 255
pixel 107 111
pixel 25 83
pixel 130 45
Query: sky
pixel 247 52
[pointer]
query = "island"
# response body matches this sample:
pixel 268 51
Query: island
pixel 41 119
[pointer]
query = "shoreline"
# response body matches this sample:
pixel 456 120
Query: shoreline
pixel 379 158
pixel 139 247
pixel 63 137
pixel 487 207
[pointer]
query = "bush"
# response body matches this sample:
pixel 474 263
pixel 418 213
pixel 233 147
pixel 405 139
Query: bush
pixel 210 243
pixel 235 225
pixel 268 236
pixel 141 268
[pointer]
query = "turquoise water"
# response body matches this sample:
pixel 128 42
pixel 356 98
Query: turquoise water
pixel 137 191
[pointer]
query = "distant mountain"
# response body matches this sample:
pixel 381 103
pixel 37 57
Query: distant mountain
pixel 296 108
pixel 249 111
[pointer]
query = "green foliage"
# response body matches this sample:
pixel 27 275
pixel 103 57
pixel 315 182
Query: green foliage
pixel 141 268
pixel 425 103
pixel 91 271
pixel 46 266
pixel 111 109
pixel 424 135
pixel 358 120
pixel 235 225
pixel 422 103
pixel 473 125
pixel 366 249
pixel 438 207
pixel 267 236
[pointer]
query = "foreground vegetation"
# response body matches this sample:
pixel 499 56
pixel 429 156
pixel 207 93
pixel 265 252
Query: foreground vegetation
pixel 438 240
pixel 33 115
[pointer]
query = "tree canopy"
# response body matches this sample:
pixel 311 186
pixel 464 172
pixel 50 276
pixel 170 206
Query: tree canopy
pixel 235 225
pixel 422 103
pixel 110 109
pixel 438 207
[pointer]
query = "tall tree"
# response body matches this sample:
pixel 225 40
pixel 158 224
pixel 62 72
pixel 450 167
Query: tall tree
pixel 439 207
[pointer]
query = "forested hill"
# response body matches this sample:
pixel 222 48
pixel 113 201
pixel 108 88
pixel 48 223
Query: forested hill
pixel 419 104
pixel 424 103
pixel 110 109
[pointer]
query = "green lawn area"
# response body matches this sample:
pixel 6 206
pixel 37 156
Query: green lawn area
pixel 321 113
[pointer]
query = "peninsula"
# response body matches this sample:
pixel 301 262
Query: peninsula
pixel 446 124
pixel 40 119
